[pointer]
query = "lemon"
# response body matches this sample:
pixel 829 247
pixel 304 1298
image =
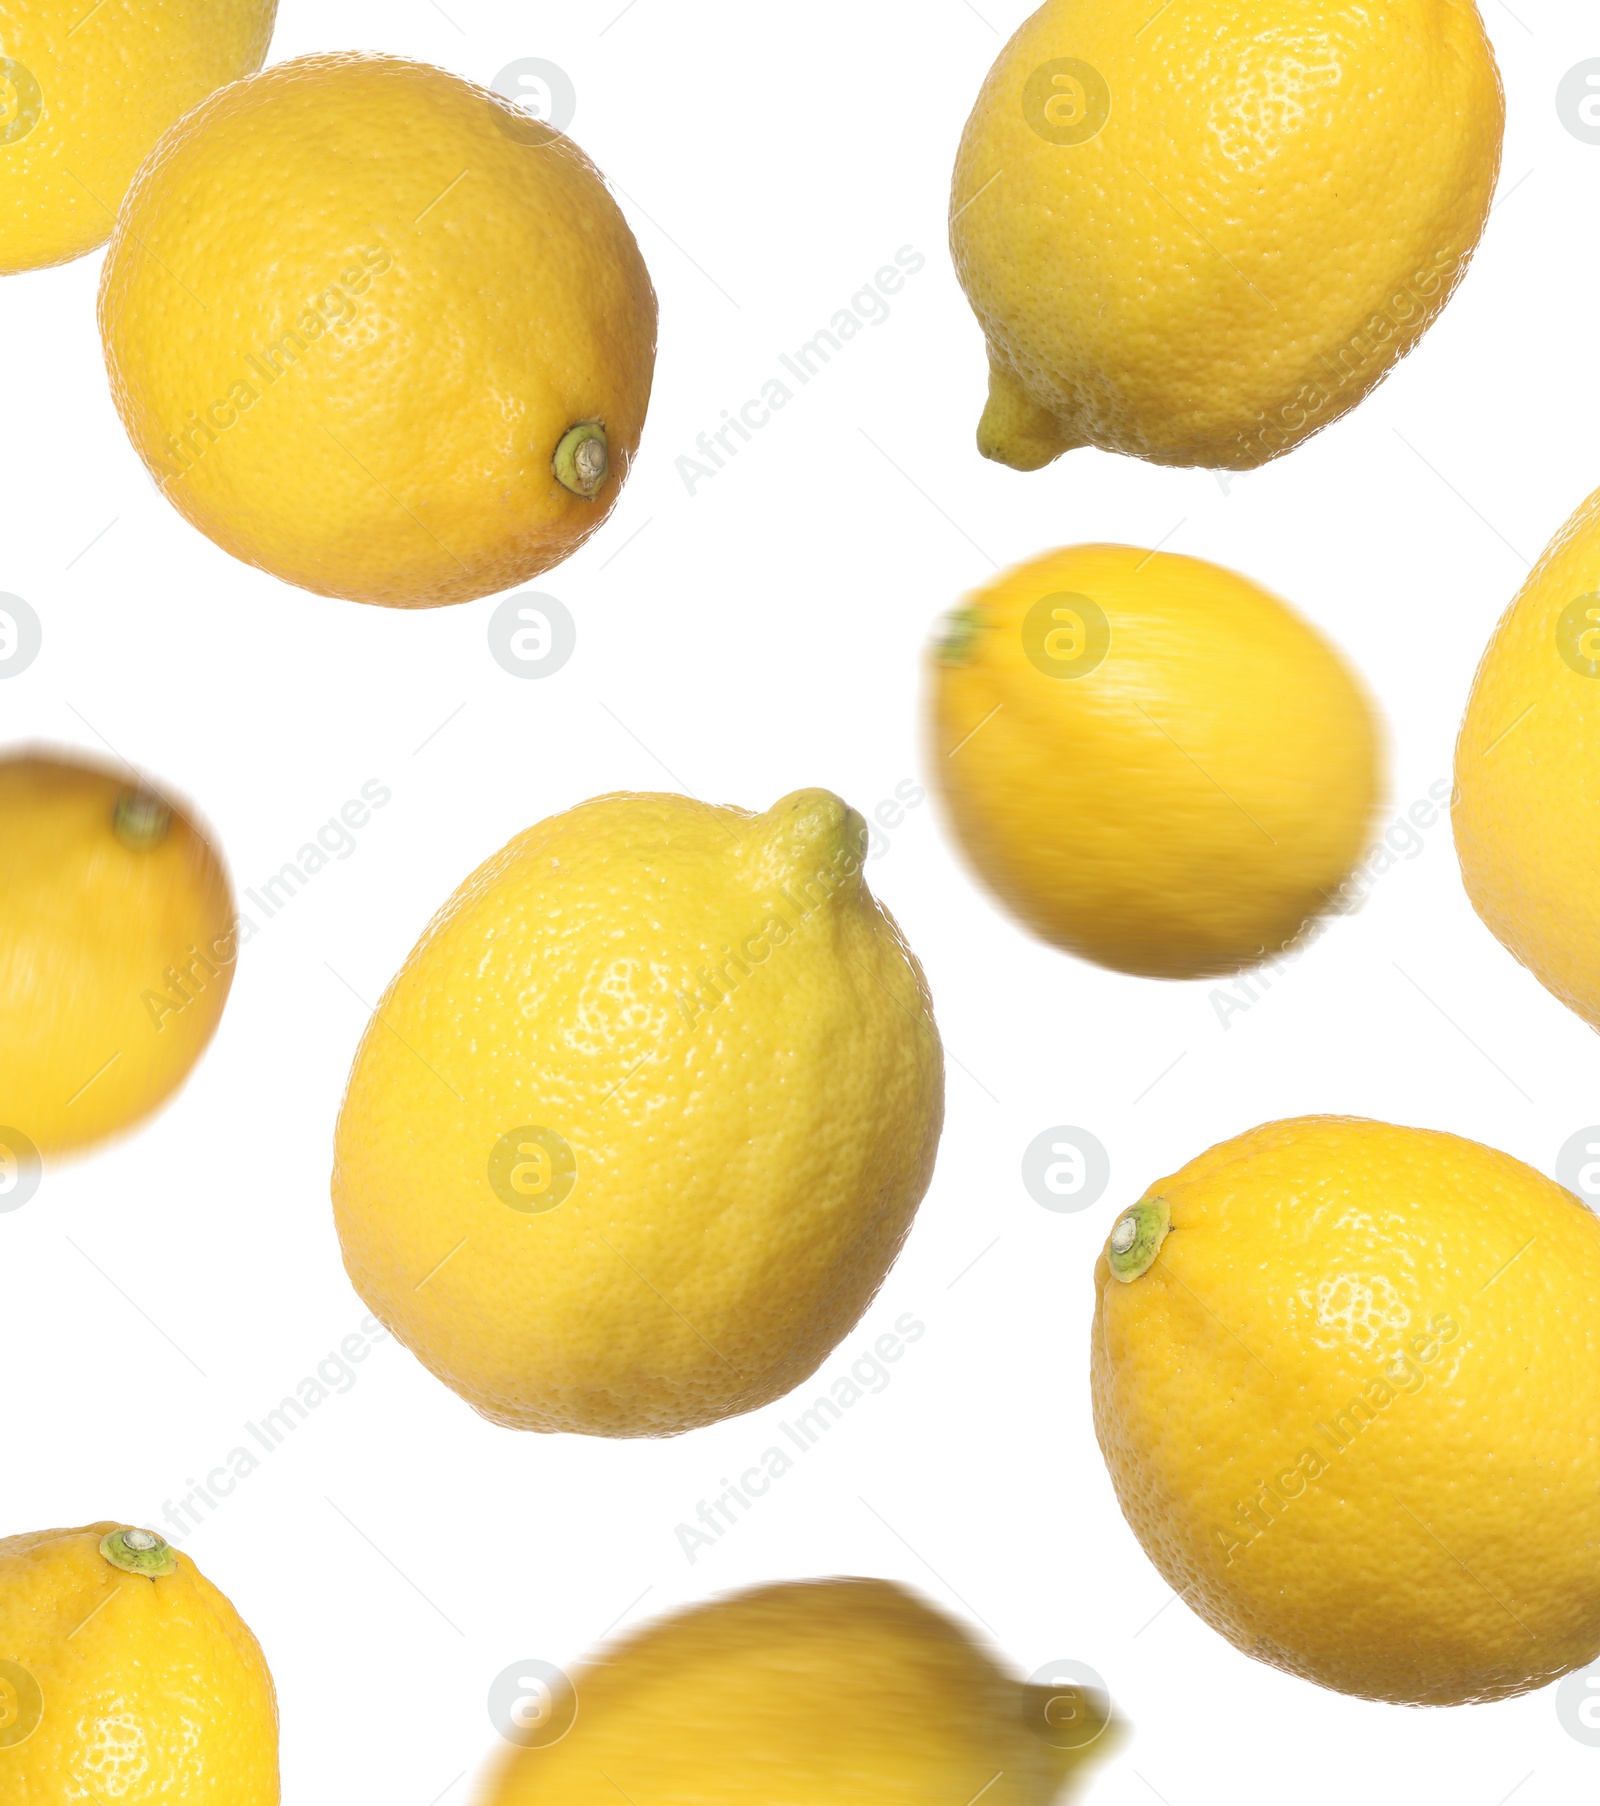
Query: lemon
pixel 636 1132
pixel 1198 233
pixel 1344 1380
pixel 812 1693
pixel 86 90
pixel 117 949
pixel 126 1676
pixel 1152 762
pixel 377 331
pixel 1527 827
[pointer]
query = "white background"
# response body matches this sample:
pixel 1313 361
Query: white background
pixel 766 633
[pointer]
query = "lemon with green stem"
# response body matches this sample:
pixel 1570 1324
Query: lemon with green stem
pixel 118 944
pixel 126 1675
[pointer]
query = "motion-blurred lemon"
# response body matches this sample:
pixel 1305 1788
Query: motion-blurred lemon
pixel 1198 233
pixel 814 1693
pixel 377 331
pixel 1346 1378
pixel 86 90
pixel 1527 824
pixel 1153 762
pixel 117 949
pixel 126 1676
pixel 637 1131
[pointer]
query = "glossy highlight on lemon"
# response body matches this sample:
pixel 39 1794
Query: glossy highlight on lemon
pixel 1199 233
pixel 126 1676
pixel 1525 824
pixel 85 92
pixel 378 332
pixel 640 1125
pixel 819 1693
pixel 118 944
pixel 1348 1406
pixel 1151 761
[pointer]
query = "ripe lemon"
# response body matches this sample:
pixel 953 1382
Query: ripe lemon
pixel 1345 1380
pixel 117 950
pixel 378 332
pixel 1525 824
pixel 1199 233
pixel 86 90
pixel 638 1129
pixel 1154 763
pixel 815 1693
pixel 126 1676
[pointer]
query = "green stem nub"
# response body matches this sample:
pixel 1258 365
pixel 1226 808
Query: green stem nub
pixel 140 821
pixel 958 634
pixel 1136 1238
pixel 583 459
pixel 139 1552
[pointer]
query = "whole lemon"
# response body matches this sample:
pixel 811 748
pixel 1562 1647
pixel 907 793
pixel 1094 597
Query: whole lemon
pixel 1199 233
pixel 810 1693
pixel 377 331
pixel 1526 817
pixel 1153 762
pixel 638 1129
pixel 117 950
pixel 126 1676
pixel 1346 1378
pixel 86 90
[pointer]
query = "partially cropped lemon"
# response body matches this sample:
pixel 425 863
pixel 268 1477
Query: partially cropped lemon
pixel 1153 762
pixel 86 90
pixel 813 1693
pixel 117 950
pixel 126 1676
pixel 1527 825
pixel 633 1137
pixel 377 331
pixel 1346 1382
pixel 1198 233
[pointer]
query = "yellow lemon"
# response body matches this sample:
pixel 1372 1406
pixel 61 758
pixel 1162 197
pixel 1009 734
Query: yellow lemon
pixel 377 331
pixel 1198 233
pixel 117 949
pixel 1154 763
pixel 126 1676
pixel 86 90
pixel 1346 1381
pixel 813 1693
pixel 638 1129
pixel 1527 825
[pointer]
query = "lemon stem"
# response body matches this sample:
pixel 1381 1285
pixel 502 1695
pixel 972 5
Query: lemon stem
pixel 139 1552
pixel 140 821
pixel 1136 1238
pixel 583 459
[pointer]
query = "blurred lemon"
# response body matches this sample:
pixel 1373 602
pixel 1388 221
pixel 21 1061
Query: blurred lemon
pixel 86 89
pixel 1527 824
pixel 126 1676
pixel 813 1693
pixel 377 331
pixel 1154 763
pixel 637 1131
pixel 117 950
pixel 1199 233
pixel 1345 1380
